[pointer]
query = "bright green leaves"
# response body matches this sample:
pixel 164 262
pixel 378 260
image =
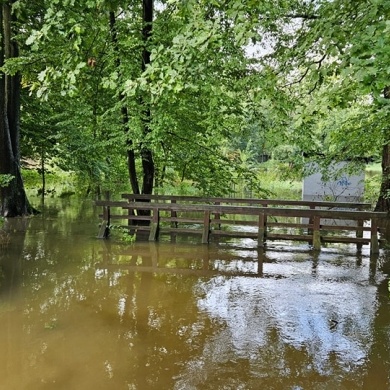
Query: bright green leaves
pixel 370 54
pixel 175 64
pixel 199 95
pixel 111 81
pixel 33 39
pixel 334 62
pixel 61 42
pixel 50 75
pixel 5 180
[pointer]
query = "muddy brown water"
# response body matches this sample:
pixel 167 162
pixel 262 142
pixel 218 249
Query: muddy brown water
pixel 81 313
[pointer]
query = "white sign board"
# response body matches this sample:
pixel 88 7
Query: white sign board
pixel 341 187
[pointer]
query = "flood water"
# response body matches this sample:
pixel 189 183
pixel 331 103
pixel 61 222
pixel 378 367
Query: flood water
pixel 77 312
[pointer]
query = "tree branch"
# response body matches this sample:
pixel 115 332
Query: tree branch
pixel 302 16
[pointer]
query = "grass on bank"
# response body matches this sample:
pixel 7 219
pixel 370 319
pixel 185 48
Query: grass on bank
pixel 272 176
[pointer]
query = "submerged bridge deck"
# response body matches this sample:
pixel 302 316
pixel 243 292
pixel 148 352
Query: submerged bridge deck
pixel 315 222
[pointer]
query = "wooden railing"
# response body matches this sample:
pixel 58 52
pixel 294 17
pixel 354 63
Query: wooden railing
pixel 271 219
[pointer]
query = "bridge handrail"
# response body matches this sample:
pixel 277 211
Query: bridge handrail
pixel 249 201
pixel 247 210
pixel 153 209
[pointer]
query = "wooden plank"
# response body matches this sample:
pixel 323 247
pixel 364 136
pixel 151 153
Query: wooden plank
pixel 345 239
pixel 138 217
pixel 206 227
pixel 346 228
pixel 154 226
pixel 316 233
pixel 284 225
pixel 236 234
pixel 217 222
pixel 359 232
pixel 255 223
pixel 374 237
pixel 174 219
pixel 138 228
pixel 179 230
pixel 217 216
pixel 103 230
pixel 262 230
pixel 181 220
pixel 131 217
pixel 248 201
pixel 288 237
pixel 250 210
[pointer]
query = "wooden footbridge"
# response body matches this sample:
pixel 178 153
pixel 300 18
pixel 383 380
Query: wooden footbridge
pixel 315 222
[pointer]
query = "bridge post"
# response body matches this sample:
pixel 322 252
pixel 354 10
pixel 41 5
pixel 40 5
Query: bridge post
pixel 316 233
pixel 311 221
pixel 359 233
pixel 206 227
pixel 104 230
pixel 374 247
pixel 173 215
pixel 217 215
pixel 262 230
pixel 154 226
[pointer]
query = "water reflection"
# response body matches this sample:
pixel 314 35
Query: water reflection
pixel 81 313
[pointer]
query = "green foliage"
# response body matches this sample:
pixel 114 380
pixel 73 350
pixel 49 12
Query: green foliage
pixel 121 233
pixel 204 90
pixel 332 57
pixel 5 180
pixel 227 83
pixel 278 179
pixel 371 188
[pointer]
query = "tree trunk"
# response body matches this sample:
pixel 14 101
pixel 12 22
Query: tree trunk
pixel 383 203
pixel 131 166
pixel 146 153
pixel 13 199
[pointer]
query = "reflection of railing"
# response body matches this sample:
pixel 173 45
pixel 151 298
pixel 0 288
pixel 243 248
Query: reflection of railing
pixel 213 217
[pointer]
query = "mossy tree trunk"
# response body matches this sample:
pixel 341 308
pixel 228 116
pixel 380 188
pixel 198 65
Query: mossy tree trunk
pixel 13 199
